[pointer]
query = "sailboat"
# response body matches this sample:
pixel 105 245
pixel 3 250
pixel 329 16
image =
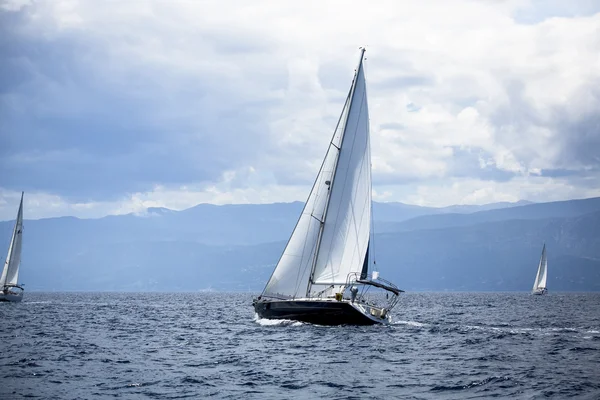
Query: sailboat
pixel 322 277
pixel 539 285
pixel 10 290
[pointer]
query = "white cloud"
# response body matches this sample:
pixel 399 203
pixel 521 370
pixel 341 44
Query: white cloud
pixel 226 191
pixel 456 90
pixel 473 191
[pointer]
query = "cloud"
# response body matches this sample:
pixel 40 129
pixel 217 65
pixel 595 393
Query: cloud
pixel 101 105
pixel 81 122
pixel 538 10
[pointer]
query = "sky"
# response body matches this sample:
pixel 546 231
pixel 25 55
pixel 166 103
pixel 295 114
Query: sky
pixel 110 107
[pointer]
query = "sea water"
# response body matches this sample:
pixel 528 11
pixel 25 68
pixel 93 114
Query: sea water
pixel 199 345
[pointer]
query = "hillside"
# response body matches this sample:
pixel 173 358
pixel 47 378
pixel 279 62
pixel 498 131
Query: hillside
pixel 237 247
pixel 557 209
pixel 495 255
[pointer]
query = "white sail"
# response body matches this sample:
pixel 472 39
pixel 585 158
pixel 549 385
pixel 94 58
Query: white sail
pixel 10 273
pixel 301 255
pixel 290 278
pixel 540 278
pixel 345 236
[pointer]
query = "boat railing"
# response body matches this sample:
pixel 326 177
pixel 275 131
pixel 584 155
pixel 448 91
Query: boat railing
pixel 14 285
pixel 389 287
pixel 352 278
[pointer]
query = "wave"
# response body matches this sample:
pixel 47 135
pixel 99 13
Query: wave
pixel 276 322
pixel 490 380
pixel 497 330
pixel 410 323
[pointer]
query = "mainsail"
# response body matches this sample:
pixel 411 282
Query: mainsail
pixel 10 273
pixel 540 278
pixel 331 237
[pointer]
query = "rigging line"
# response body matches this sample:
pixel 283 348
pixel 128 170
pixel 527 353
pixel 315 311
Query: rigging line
pixel 7 264
pixel 344 116
pixel 301 270
pixel 344 184
pixel 303 265
pixel 306 203
pixel 316 218
pixel 297 223
pixel 319 178
pixel 315 249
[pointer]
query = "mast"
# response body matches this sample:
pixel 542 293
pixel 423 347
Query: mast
pixel 332 182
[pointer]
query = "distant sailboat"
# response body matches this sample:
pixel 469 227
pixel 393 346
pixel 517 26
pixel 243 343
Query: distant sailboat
pixel 539 285
pixel 322 276
pixel 10 290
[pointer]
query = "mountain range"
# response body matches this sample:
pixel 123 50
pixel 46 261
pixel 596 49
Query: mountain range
pixel 494 247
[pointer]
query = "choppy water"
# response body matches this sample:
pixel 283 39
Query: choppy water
pixel 170 345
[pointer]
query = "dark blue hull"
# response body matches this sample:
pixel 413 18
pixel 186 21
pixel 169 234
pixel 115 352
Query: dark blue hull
pixel 315 312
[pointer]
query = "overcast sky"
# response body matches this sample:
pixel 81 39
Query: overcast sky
pixel 109 107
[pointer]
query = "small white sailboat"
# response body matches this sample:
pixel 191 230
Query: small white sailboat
pixel 322 276
pixel 10 290
pixel 539 285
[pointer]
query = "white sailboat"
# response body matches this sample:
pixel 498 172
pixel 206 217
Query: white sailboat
pixel 322 276
pixel 10 290
pixel 539 285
